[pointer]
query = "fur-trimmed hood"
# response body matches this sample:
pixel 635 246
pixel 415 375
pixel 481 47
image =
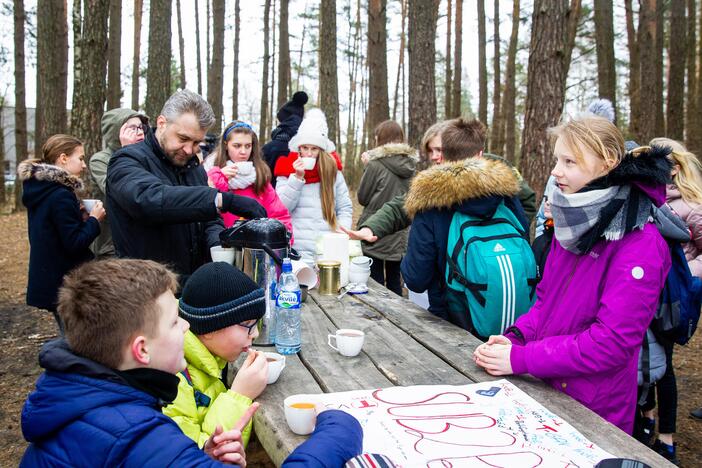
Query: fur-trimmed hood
pixel 451 184
pixel 398 158
pixel 35 169
pixel 393 149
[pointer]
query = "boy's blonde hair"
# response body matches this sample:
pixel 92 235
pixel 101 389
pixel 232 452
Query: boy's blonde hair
pixel 105 303
pixel 595 133
pixel 689 177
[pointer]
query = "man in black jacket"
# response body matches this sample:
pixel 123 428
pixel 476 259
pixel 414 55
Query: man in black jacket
pixel 160 205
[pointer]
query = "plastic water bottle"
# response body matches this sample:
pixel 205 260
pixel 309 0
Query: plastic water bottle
pixel 287 305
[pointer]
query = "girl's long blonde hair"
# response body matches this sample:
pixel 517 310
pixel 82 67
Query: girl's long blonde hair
pixel 689 176
pixel 327 177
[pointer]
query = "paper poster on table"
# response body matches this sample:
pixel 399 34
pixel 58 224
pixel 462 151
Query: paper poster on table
pixel 490 424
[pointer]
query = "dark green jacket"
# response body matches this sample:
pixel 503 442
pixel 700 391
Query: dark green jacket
pixel 388 174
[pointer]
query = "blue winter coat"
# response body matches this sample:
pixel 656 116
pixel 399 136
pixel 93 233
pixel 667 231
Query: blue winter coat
pixel 474 186
pixel 159 211
pixel 59 239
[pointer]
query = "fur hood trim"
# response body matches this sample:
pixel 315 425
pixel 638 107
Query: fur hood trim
pixel 451 183
pixel 34 168
pixel 393 149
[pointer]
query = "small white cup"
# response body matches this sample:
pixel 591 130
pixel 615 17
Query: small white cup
pixel 362 261
pixel 359 277
pixel 245 167
pixel 309 163
pixel 89 204
pixel 222 254
pixel 305 274
pixel 348 341
pixel 276 364
pixel 301 420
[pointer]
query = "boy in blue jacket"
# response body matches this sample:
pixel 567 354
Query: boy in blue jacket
pixel 98 403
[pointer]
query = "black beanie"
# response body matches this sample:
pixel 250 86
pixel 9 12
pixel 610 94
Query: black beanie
pixel 218 296
pixel 296 106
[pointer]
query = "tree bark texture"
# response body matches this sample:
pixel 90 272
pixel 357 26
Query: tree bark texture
pixel 571 31
pixel 401 68
pixel 647 71
pixel 692 121
pixel 284 91
pixel 90 90
pixel 378 106
pixel 136 57
pixel 497 124
pixel 21 151
pixel 509 137
pixel 482 64
pixel 215 82
pixel 52 69
pixel 235 86
pixel 77 20
pixel 546 80
pixel 181 45
pixel 158 75
pixel 3 196
pixel 634 70
pixel 676 71
pixel 456 99
pixel 197 48
pixel 422 17
pixel 263 125
pixel 604 39
pixel 114 53
pixel 659 39
pixel 271 111
pixel 328 81
pixel 448 86
pixel 697 147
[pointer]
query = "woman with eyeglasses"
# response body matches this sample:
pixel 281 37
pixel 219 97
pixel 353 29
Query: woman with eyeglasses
pixel 120 127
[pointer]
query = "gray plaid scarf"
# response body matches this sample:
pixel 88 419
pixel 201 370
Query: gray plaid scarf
pixel 581 219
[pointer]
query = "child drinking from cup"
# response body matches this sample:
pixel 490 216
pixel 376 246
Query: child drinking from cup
pixel 237 167
pixel 598 293
pixel 310 184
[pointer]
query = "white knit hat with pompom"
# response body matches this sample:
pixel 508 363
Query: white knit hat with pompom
pixel 313 131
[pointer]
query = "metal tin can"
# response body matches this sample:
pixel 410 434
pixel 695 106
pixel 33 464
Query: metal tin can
pixel 329 277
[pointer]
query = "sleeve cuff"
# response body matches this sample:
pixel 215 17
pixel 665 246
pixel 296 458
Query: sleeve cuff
pixel 294 182
pixel 517 358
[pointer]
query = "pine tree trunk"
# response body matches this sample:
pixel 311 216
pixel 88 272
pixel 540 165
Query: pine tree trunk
pixel 422 16
pixel 271 111
pixel 52 70
pixel 692 122
pixel 647 70
pixel 697 147
pixel 546 80
pixel 215 83
pixel 456 100
pixel 3 197
pixel 208 32
pixel 401 64
pixel 604 38
pixel 676 70
pixel 181 45
pixel 235 86
pixel 114 54
pixel 284 91
pixel 509 97
pixel 328 82
pixel 77 20
pixel 136 57
pixel 482 64
pixel 89 92
pixel 378 106
pixel 658 66
pixel 158 75
pixel 497 126
pixel 448 84
pixel 197 48
pixel 573 17
pixel 634 70
pixel 263 124
pixel 19 17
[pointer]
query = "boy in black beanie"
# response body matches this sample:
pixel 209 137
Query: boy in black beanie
pixel 289 118
pixel 223 307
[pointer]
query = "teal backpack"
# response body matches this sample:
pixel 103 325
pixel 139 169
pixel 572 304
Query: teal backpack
pixel 490 272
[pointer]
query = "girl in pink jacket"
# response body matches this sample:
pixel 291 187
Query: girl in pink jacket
pixel 236 166
pixel 603 277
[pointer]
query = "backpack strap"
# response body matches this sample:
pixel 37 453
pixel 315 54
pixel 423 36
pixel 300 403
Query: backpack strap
pixel 201 400
pixel 455 275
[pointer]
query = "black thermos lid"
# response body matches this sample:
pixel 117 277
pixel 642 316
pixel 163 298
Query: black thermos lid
pixel 255 233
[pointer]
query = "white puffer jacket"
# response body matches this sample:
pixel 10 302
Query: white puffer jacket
pixel 304 203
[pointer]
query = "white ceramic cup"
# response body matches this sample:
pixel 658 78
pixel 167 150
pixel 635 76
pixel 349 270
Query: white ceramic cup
pixel 309 163
pixel 89 204
pixel 300 420
pixel 245 167
pixel 276 364
pixel 359 277
pixel 362 261
pixel 348 341
pixel 222 254
pixel 305 273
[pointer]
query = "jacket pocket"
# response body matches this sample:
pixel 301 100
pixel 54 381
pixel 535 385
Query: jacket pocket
pixel 583 389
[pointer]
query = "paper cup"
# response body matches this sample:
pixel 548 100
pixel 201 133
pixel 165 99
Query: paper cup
pixel 300 413
pixel 89 204
pixel 276 364
pixel 305 274
pixel 221 254
pixel 245 167
pixel 309 163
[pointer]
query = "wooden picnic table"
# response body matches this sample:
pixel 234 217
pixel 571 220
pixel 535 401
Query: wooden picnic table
pixel 404 345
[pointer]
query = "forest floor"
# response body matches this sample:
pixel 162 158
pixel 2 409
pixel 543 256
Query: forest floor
pixel 25 329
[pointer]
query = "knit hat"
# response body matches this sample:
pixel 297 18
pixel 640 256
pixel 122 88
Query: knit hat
pixel 218 296
pixel 313 131
pixel 295 106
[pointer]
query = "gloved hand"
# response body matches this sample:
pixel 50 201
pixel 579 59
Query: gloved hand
pixel 242 206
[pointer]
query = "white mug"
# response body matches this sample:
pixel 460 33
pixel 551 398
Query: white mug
pixel 301 420
pixel 348 341
pixel 222 254
pixel 362 261
pixel 89 204
pixel 276 364
pixel 309 163
pixel 359 277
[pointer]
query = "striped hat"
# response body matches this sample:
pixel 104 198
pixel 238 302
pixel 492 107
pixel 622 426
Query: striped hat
pixel 370 460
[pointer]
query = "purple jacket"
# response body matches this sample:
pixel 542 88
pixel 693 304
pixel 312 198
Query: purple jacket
pixel 583 334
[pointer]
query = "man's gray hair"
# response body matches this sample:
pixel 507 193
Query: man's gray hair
pixel 185 101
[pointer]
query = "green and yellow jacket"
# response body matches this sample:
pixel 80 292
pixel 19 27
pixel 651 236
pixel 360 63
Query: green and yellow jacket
pixel 203 402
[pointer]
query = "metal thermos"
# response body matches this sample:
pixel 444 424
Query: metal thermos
pixel 329 277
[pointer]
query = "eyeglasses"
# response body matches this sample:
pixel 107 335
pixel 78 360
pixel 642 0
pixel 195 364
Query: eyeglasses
pixel 249 327
pixel 137 128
